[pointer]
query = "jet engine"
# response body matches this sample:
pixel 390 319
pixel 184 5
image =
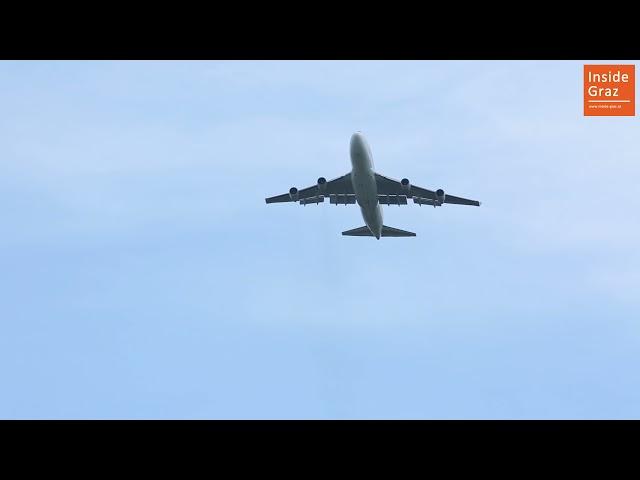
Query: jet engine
pixel 441 196
pixel 293 193
pixel 322 184
pixel 405 185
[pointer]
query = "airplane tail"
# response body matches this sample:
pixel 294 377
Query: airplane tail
pixel 386 232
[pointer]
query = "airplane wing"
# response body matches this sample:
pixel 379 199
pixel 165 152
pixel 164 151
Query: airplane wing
pixel 338 186
pixel 389 186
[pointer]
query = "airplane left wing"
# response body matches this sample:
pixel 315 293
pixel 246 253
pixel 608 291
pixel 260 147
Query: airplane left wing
pixel 338 186
pixel 389 186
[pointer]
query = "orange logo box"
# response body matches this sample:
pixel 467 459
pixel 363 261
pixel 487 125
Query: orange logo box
pixel 609 90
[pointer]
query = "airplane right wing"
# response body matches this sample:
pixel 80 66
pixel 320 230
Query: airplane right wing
pixel 340 186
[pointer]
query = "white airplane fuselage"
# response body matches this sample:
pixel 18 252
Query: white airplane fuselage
pixel 364 183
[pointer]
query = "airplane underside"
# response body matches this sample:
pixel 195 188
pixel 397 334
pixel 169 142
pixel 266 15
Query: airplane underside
pixel 363 186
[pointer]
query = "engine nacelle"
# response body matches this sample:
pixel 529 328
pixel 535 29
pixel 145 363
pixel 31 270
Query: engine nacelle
pixel 322 184
pixel 405 185
pixel 441 196
pixel 293 193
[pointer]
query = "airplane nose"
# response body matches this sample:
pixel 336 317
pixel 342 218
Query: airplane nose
pixel 357 141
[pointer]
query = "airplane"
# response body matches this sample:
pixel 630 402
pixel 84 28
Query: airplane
pixel 370 190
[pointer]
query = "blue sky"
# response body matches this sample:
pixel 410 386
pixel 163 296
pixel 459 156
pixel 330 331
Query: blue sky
pixel 143 276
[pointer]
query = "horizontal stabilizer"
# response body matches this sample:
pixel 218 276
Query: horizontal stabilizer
pixel 358 232
pixel 386 232
pixel 395 232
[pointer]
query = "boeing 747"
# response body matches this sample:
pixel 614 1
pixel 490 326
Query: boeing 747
pixel 370 190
